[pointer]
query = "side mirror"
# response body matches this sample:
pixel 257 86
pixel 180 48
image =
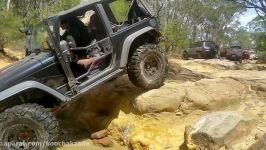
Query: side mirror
pixel 25 30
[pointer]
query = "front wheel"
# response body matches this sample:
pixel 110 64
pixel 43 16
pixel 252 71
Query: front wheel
pixel 27 127
pixel 147 66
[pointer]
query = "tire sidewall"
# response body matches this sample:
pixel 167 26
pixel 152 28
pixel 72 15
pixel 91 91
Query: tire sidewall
pixel 160 74
pixel 11 117
pixel 41 134
pixel 138 77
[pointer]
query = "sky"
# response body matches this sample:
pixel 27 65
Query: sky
pixel 247 16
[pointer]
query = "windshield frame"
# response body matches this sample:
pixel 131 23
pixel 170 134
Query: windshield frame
pixel 52 34
pixel 147 5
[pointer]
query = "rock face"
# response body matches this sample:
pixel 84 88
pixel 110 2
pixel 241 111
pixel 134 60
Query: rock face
pixel 206 94
pixel 185 97
pixel 216 130
pixel 223 64
pixel 260 144
pixel 101 105
pixel 167 98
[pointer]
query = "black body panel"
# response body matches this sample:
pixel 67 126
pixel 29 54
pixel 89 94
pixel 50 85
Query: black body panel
pixel 29 68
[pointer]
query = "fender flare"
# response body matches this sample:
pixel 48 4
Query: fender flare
pixel 127 44
pixel 31 85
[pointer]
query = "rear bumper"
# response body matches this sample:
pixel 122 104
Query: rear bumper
pixel 233 57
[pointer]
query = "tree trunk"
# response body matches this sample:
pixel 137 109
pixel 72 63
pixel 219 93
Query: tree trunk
pixel 194 33
pixel 8 5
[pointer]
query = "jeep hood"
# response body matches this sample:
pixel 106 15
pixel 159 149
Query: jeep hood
pixel 19 71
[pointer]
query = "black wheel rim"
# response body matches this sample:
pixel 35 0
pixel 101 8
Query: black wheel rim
pixel 152 66
pixel 21 137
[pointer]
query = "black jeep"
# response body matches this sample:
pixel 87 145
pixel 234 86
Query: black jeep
pixel 68 57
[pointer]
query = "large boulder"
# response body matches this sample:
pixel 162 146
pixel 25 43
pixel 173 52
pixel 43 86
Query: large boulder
pixel 221 64
pixel 213 94
pixel 216 130
pixel 206 94
pixel 168 98
pixel 176 72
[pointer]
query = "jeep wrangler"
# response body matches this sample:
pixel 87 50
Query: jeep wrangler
pixel 65 59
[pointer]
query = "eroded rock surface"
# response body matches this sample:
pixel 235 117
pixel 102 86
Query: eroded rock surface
pixel 192 90
pixel 206 94
pixel 217 130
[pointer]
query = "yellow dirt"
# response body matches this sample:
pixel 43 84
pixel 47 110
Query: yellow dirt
pixel 3 63
pixel 153 131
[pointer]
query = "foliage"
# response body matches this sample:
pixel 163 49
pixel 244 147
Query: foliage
pixel 257 25
pixel 176 38
pixel 258 5
pixel 244 38
pixel 261 42
pixel 120 9
pixel 27 13
pixel 186 21
pixel 10 23
pixel 262 56
pixel 182 21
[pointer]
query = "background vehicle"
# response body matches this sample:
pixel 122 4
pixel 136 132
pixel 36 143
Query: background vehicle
pixel 236 53
pixel 48 79
pixel 253 55
pixel 202 49
pixel 245 54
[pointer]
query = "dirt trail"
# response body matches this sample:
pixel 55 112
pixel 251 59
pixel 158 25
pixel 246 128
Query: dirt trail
pixel 165 130
pixel 224 68
pixel 4 61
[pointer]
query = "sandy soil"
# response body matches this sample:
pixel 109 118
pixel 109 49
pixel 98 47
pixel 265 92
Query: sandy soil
pixel 4 61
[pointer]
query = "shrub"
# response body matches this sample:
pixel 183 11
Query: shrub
pixel 9 28
pixel 2 42
pixel 262 56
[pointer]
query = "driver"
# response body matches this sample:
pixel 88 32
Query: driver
pixel 78 30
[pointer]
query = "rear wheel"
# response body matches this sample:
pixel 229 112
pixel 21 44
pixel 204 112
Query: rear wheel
pixel 147 66
pixel 185 55
pixel 199 55
pixel 27 127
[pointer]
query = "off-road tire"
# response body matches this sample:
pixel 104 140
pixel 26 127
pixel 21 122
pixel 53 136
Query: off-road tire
pixel 147 66
pixel 185 55
pixel 29 123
